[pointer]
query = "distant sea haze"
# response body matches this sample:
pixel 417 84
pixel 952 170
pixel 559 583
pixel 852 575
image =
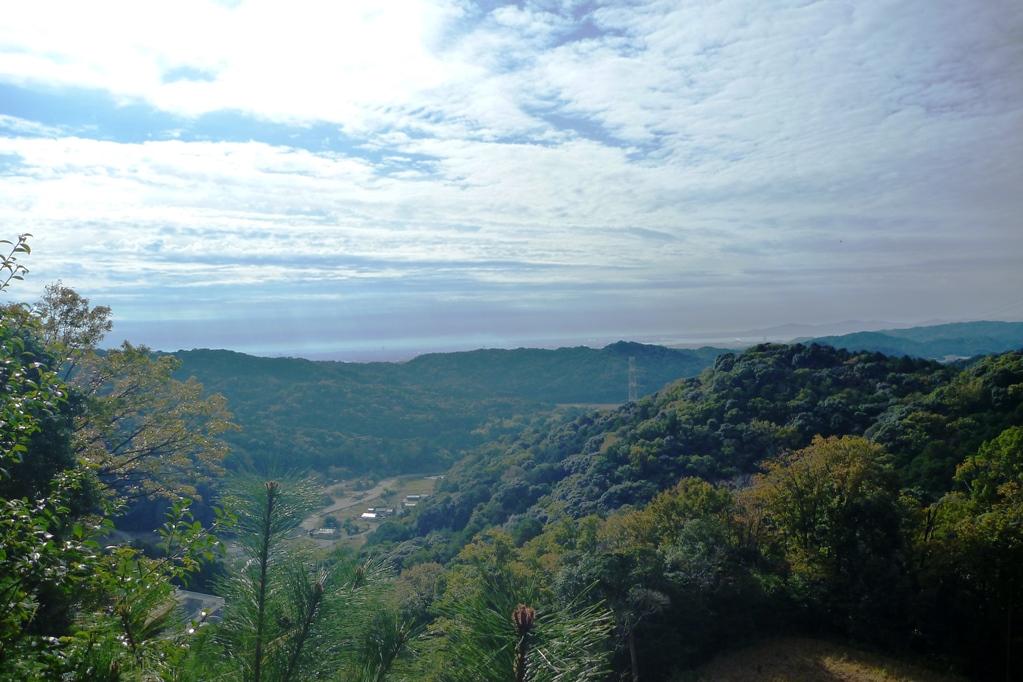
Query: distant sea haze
pixel 392 345
pixel 398 348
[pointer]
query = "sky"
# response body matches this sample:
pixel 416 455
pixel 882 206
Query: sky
pixel 363 180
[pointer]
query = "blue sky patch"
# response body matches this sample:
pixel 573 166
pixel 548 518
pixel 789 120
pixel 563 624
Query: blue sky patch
pixel 401 175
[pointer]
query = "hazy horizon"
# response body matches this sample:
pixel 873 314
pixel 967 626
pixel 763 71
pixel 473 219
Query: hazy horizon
pixel 408 348
pixel 368 180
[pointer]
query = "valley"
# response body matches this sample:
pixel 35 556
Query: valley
pixel 349 500
pixel 511 341
pixel 458 506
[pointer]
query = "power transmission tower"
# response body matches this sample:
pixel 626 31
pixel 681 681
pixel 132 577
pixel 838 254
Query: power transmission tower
pixel 633 384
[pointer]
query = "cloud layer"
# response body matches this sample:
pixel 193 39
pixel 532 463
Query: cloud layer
pixel 403 173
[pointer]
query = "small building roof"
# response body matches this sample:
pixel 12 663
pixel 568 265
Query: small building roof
pixel 323 532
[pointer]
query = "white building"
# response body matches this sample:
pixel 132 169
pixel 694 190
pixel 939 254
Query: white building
pixel 323 533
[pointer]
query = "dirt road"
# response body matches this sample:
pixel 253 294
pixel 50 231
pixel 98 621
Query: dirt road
pixel 351 499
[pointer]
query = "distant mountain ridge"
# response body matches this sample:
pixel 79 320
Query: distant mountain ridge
pixel 396 417
pixel 936 342
pixel 391 417
pixel 566 375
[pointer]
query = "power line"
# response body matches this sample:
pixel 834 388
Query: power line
pixel 1002 310
pixel 633 383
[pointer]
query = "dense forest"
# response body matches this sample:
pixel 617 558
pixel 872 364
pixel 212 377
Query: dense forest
pixel 794 489
pixel 386 417
pixel 820 489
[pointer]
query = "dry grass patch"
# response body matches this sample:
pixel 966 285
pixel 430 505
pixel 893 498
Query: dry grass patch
pixel 809 660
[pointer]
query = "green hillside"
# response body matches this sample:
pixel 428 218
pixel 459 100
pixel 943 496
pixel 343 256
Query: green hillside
pixel 799 487
pixel 400 417
pixel 720 426
pixel 417 415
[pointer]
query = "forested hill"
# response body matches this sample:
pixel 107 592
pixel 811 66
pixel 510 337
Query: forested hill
pixel 565 375
pixel 937 342
pixel 412 416
pixel 722 425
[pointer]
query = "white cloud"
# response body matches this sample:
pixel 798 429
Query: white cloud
pixel 801 145
pixel 14 125
pixel 336 61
